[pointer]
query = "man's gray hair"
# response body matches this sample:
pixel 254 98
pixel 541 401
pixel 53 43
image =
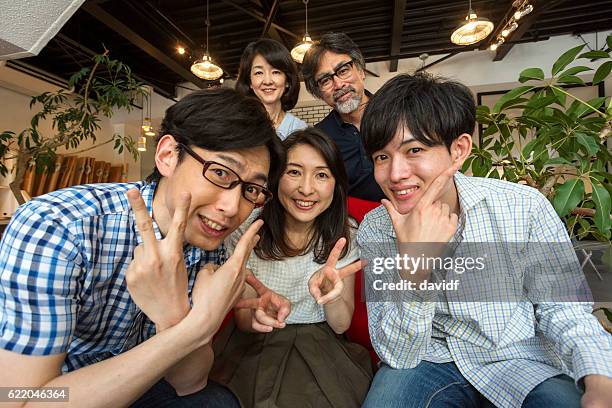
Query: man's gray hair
pixel 338 43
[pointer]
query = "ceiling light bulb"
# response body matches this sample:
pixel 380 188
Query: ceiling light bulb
pixel 518 14
pixel 474 30
pixel 181 50
pixel 298 52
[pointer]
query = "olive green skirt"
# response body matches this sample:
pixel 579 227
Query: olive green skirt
pixel 302 365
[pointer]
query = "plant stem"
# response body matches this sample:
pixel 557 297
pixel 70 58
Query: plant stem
pixel 579 100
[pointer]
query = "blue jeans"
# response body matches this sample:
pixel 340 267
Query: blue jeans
pixel 162 395
pixel 431 385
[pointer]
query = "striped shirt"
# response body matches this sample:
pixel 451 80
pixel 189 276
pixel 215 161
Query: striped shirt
pixel 504 349
pixel 63 259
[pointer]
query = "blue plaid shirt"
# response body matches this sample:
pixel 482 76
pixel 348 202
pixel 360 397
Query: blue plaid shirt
pixel 63 260
pixel 504 349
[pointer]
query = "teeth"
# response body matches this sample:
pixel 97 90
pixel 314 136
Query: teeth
pixel 407 191
pixel 305 203
pixel 212 224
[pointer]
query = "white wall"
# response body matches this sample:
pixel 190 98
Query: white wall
pixel 16 89
pixel 477 69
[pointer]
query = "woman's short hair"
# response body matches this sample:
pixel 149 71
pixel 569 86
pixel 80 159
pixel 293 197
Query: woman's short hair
pixel 331 225
pixel 278 56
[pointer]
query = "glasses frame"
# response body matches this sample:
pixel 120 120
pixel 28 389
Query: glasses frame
pixel 243 184
pixel 331 76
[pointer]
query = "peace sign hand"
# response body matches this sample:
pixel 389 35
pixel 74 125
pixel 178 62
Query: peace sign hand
pixel 271 309
pixel 157 276
pixel 326 284
pixel 430 220
pixel 217 288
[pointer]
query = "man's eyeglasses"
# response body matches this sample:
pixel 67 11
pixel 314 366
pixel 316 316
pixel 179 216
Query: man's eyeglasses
pixel 344 71
pixel 226 178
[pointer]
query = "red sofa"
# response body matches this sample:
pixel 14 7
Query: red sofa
pixel 358 332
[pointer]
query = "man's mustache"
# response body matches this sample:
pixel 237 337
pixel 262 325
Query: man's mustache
pixel 341 92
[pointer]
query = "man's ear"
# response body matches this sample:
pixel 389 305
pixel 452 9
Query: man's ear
pixel 166 155
pixel 461 148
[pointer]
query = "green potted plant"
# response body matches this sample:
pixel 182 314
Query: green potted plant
pixel 99 90
pixel 541 135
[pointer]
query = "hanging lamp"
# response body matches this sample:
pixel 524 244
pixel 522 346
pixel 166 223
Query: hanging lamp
pixel 206 68
pixel 298 52
pixel 474 29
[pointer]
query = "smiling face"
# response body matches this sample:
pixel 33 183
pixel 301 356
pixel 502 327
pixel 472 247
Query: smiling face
pixel 306 188
pixel 405 168
pixel 344 95
pixel 214 212
pixel 268 83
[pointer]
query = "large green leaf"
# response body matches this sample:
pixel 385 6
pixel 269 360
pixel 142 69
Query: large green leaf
pixel 511 95
pixel 602 72
pixel 540 102
pixel 565 59
pixel 591 146
pixel 575 70
pixel 531 73
pixel 568 195
pixel 596 54
pixel 603 206
pixel 578 110
pixel 570 79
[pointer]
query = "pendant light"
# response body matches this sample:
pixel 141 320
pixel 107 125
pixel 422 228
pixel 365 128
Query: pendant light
pixel 206 68
pixel 474 29
pixel 298 52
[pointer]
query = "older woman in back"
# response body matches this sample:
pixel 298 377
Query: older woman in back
pixel 268 72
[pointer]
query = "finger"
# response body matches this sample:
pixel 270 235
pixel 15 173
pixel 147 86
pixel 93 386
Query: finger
pixel 256 284
pixel 438 185
pixel 350 269
pixel 332 294
pixel 263 318
pixel 393 213
pixel 314 287
pixel 262 328
pixel 144 223
pixel 179 221
pixel 334 254
pixel 250 303
pixel 283 311
pixel 445 210
pixel 246 243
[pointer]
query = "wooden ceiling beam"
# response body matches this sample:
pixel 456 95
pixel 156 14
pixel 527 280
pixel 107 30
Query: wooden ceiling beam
pixel 126 32
pixel 399 7
pixel 259 17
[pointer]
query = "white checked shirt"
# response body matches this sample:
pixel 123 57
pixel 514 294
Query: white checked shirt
pixel 504 349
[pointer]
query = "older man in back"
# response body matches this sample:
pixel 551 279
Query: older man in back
pixel 334 71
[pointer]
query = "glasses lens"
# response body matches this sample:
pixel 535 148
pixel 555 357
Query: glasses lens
pixel 325 82
pixel 345 71
pixel 220 175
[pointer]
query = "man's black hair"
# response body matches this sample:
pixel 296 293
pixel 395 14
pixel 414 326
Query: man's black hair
pixel 220 119
pixel 435 110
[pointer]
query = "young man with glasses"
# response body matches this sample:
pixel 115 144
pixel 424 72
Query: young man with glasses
pixel 111 293
pixel 334 71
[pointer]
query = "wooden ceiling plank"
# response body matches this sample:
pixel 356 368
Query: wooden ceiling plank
pixel 120 28
pixel 259 17
pixel 396 32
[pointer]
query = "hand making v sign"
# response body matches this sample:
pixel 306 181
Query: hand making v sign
pixel 326 285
